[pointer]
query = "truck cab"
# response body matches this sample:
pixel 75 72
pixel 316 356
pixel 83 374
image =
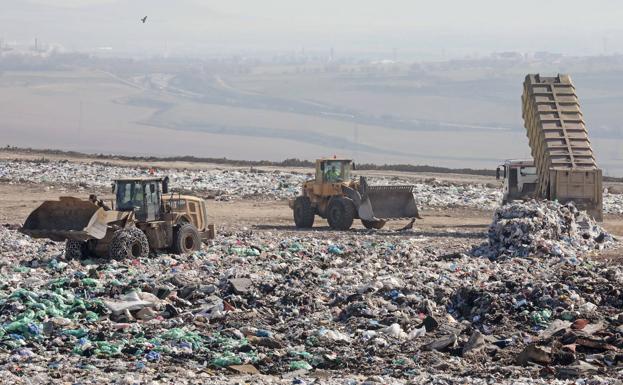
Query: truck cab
pixel 141 195
pixel 333 170
pixel 150 201
pixel 331 173
pixel 520 179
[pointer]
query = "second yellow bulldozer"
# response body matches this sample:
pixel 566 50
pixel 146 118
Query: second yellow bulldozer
pixel 334 195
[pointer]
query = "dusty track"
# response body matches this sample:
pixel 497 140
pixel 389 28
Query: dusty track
pixel 459 227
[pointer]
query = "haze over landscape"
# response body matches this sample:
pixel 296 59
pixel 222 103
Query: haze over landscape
pixel 410 82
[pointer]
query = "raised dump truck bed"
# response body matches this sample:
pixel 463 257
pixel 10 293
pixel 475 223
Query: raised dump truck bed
pixel 561 149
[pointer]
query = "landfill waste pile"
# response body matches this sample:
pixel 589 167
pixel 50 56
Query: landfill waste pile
pixel 227 184
pixel 448 195
pixel 231 184
pixel 223 184
pixel 613 203
pixel 543 228
pixel 340 308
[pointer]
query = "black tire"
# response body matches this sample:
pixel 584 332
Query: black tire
pixel 303 212
pixel 340 213
pixel 75 249
pixel 128 243
pixel 186 239
pixel 373 224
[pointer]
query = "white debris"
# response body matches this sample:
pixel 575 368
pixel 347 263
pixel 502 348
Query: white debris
pixel 417 332
pixel 542 228
pixel 394 330
pixel 332 335
pixel 130 301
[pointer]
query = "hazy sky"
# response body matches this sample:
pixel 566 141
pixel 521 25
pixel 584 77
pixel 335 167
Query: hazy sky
pixel 456 27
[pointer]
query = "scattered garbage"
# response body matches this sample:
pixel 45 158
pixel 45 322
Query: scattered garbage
pixel 475 343
pixel 542 228
pixel 532 353
pixel 388 309
pixel 229 184
pixel 222 184
pixel 449 195
pixel 130 301
pixel 249 183
pixel 334 308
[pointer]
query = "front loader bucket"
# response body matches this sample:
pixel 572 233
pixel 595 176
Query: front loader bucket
pixel 388 202
pixel 69 218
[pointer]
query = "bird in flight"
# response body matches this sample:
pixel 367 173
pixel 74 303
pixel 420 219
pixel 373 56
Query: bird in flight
pixel 144 19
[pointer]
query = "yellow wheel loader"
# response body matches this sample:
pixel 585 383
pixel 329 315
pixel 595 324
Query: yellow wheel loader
pixel 338 198
pixel 143 219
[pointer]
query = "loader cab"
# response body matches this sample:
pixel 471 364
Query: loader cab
pixel 141 195
pixel 520 179
pixel 333 170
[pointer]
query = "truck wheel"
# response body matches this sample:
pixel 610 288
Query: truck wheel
pixel 186 239
pixel 75 249
pixel 128 243
pixel 373 224
pixel 340 213
pixel 303 212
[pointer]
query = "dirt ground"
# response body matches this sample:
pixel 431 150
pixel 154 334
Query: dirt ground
pixel 18 200
pixel 460 227
pixel 464 226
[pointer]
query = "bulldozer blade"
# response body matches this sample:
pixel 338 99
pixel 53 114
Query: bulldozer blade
pixel 69 218
pixel 388 202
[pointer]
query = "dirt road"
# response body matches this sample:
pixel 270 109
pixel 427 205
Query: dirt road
pixel 461 227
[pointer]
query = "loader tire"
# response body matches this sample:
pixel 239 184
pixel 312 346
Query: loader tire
pixel 75 249
pixel 303 213
pixel 128 243
pixel 373 224
pixel 186 239
pixel 340 213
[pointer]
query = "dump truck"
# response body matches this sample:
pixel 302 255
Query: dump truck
pixel 563 167
pixel 520 180
pixel 145 217
pixel 334 195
